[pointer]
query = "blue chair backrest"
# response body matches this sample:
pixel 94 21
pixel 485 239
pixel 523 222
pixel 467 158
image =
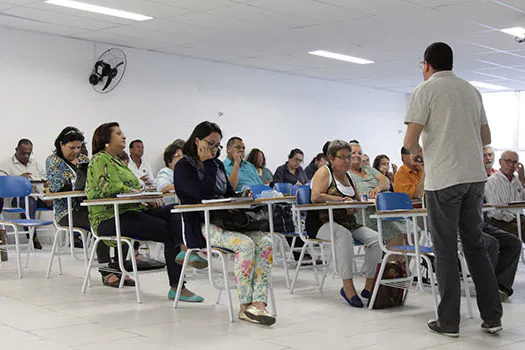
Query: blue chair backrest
pixel 14 186
pixel 258 189
pixel 283 187
pixel 303 195
pixel 296 187
pixel 393 201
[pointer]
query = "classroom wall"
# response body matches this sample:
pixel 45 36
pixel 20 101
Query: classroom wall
pixel 162 97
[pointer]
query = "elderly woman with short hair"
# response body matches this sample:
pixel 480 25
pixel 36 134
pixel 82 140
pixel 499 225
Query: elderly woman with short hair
pixel 332 183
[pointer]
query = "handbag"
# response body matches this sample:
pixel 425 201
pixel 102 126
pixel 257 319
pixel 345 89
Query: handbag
pixel 240 220
pixel 390 296
pixel 282 218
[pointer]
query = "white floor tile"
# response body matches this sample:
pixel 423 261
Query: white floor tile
pixel 53 314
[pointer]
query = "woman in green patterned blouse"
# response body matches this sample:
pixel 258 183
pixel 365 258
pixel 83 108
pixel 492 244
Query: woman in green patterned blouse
pixel 109 176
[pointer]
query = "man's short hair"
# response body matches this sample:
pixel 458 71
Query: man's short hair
pixel 134 142
pixel 440 56
pixel 232 140
pixel 24 142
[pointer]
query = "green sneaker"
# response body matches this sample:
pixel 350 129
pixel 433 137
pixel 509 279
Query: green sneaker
pixel 503 296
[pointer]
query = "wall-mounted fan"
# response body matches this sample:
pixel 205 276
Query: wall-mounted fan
pixel 108 70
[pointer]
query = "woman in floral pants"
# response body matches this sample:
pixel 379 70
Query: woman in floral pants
pixel 200 175
pixel 253 261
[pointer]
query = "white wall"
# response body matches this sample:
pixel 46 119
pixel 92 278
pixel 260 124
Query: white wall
pixel 162 97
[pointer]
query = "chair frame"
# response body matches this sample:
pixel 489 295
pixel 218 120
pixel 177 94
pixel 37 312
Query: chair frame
pixel 223 254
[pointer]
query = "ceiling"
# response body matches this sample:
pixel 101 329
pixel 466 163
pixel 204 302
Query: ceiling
pixel 277 34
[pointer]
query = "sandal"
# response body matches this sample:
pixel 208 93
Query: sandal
pixel 106 280
pixel 128 282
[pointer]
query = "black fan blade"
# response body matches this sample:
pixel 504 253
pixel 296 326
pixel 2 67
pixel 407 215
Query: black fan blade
pixel 108 81
pixel 118 65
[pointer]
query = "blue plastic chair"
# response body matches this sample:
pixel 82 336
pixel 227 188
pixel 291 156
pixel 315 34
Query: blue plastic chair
pixel 297 187
pixel 258 189
pixel 19 186
pixel 283 187
pixel 303 195
pixel 388 201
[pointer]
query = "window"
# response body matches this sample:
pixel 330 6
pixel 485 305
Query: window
pixel 502 110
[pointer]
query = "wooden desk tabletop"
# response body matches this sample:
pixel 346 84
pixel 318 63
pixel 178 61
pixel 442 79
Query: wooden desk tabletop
pixel 507 206
pixel 65 194
pixel 401 212
pixel 112 200
pixel 335 205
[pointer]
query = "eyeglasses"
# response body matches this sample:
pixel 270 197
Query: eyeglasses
pixel 511 161
pixel 344 158
pixel 212 145
pixel 178 155
pixel 297 160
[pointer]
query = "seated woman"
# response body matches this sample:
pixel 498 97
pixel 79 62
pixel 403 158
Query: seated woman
pixel 318 161
pixel 66 170
pixel 108 176
pixel 123 156
pixel 257 158
pixel 333 183
pixel 164 183
pixel 172 154
pixel 292 171
pixel 381 164
pixel 200 175
pixel 371 182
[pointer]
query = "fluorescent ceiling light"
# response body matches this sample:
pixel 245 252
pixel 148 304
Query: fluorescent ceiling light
pixel 99 9
pixel 487 86
pixel 515 31
pixel 338 56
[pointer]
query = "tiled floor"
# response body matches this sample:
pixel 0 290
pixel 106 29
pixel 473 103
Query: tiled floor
pixel 36 313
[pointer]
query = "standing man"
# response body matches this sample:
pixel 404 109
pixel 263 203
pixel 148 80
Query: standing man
pixel 21 164
pixel 138 166
pixel 448 113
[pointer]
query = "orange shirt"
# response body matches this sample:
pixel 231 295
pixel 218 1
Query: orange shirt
pixel 406 180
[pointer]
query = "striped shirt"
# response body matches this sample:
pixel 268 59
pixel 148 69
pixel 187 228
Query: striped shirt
pixel 499 190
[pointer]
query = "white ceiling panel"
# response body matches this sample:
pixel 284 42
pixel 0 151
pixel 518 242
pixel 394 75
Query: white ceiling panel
pixel 147 8
pixel 277 34
pixel 56 18
pixel 376 7
pixel 41 5
pixel 5 6
pixel 517 5
pixel 198 5
pixel 21 2
pixel 25 24
pixel 318 11
pixel 489 13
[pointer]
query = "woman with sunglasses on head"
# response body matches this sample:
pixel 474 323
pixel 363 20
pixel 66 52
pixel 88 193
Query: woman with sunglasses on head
pixel 66 170
pixel 107 177
pixel 292 171
pixel 201 175
pixel 332 183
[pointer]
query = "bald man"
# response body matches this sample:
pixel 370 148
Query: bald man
pixel 504 187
